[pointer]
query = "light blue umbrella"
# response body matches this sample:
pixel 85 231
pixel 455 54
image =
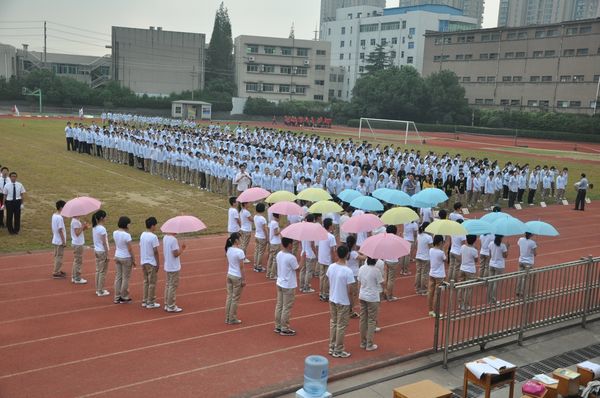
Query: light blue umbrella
pixel 494 216
pixel 477 227
pixel 367 203
pixel 429 197
pixel 540 228
pixel 348 195
pixel 508 226
pixel 380 193
pixel 393 196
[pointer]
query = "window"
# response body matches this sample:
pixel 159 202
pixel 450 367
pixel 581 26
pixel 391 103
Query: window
pixel 284 88
pixel 363 42
pixel 511 35
pixel 269 50
pixel 489 101
pixel 342 43
pixel 401 54
pixel 361 69
pixel 504 102
pixel 551 32
pixel 546 79
pixel 538 54
pixel 268 87
pixel 373 27
pixel 493 55
pixel 565 78
pixel 470 39
pixel 321 52
pixel 332 77
pixel 479 101
pixel 390 26
pixel 252 49
pixel 340 79
pixel 596 78
pixel 331 93
pixel 445 57
pixel 320 82
pixel 329 31
pixel 506 78
pixel 466 79
pixel 361 56
pixel 319 67
pixel 509 55
pixel 485 37
pixel 582 51
pixel 592 104
pixel 571 31
pixel 459 57
pixel 480 79
pixel 269 68
pixel 286 70
pixel 585 29
pixel 549 53
pixel 343 30
pixel 578 78
pixel 568 52
pixel 300 89
pixel 412 31
pixel 532 103
pixel 339 93
pixel 484 56
pixel 539 34
pixel 409 60
pixel 383 41
pixel 358 14
pixel 495 37
pixel 534 79
pixel 286 51
pixel 491 79
pixel 437 58
pixel 393 54
pixel 341 55
pixel 251 68
pixel 302 52
pixel 403 24
pixel 520 54
pixel 522 35
pixel 300 71
pixel 318 97
pixel 447 40
pixel 178 110
pixel 517 78
pixel 544 103
pixel 411 44
pixel 349 57
pixel 373 42
pixel 350 16
pixel 251 86
pixel 562 104
pixel 515 102
pixel 575 104
pixel 394 40
pixel 468 56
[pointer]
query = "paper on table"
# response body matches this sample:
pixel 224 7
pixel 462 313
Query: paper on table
pixel 498 363
pixel 480 368
pixel 545 379
pixel 594 367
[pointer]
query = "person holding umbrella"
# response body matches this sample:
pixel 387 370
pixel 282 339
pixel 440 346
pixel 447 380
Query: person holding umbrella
pixel 124 260
pixel 77 242
pixel 236 278
pixel 527 253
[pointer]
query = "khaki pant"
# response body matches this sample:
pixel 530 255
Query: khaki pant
pixel 245 240
pixel 150 277
pixel 234 291
pixel 353 295
pixel 272 263
pixel 101 268
pixel 432 291
pixel 454 267
pixel 421 276
pixel 306 273
pixel 339 315
pixel 259 249
pixel 171 289
pixel 283 308
pixel 323 280
pixel 521 282
pixel 465 297
pixel 404 262
pixel 560 195
pixel 391 268
pixel 123 272
pixel 77 261
pixel 493 271
pixel 59 251
pixel 484 264
pixel 368 321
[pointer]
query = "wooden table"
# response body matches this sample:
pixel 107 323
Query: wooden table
pixel 422 389
pixel 491 381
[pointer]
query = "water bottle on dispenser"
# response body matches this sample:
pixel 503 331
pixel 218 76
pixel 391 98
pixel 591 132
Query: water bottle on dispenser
pixel 315 377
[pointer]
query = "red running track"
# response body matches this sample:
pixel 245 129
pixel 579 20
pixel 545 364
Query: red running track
pixel 60 340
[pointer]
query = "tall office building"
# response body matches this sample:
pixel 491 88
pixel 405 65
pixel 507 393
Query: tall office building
pixel 471 8
pixel 329 7
pixel 515 13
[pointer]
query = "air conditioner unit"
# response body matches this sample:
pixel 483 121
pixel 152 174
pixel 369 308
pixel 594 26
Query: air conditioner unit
pixel 262 68
pixel 251 59
pixel 306 62
pixel 293 90
pixel 410 36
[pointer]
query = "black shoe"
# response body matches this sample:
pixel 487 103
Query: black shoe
pixel 125 301
pixel 287 332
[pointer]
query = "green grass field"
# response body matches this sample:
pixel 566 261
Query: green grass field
pixel 36 149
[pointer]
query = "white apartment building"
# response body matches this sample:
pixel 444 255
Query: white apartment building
pixel 356 32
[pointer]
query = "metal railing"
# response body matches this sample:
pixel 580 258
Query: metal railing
pixel 473 313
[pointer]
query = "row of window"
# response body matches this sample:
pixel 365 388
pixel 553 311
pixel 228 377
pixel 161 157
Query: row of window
pixel 569 52
pixel 272 50
pixel 374 27
pixel 271 88
pixel 383 41
pixel 532 103
pixel 282 69
pixel 532 79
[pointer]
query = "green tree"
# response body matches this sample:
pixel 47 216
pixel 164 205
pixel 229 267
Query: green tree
pixel 377 60
pixel 219 57
pixel 448 103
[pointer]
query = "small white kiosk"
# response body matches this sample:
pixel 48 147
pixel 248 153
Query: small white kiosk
pixel 191 110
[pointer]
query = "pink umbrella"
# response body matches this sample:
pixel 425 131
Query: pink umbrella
pixel 362 223
pixel 305 231
pixel 253 195
pixel 182 224
pixel 385 246
pixel 80 206
pixel 286 208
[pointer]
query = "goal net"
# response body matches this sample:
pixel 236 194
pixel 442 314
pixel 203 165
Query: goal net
pixel 379 128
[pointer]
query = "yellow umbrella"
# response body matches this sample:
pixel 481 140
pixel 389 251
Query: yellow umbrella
pixel 325 206
pixel 399 215
pixel 446 227
pixel 281 196
pixel 314 195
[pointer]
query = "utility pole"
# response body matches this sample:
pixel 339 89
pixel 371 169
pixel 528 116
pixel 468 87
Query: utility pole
pixel 45 37
pixel 316 32
pixel 596 99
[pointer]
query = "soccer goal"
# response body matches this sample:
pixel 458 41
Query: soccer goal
pixel 383 126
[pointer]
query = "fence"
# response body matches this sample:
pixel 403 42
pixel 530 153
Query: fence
pixel 482 310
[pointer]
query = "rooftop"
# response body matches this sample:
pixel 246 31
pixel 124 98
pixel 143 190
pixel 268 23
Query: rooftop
pixel 435 8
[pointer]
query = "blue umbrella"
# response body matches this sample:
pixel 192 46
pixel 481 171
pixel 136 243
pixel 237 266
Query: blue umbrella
pixel 477 227
pixel 393 196
pixel 429 197
pixel 540 228
pixel 367 203
pixel 492 217
pixel 508 226
pixel 348 195
pixel 380 193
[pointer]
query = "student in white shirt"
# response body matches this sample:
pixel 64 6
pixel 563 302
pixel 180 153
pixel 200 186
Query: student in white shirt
pixel 308 258
pixel 150 263
pixel 325 250
pixel 172 257
pixel 245 228
pixel 340 279
pixel 286 286
pixel 260 236
pixel 410 234
pixel 527 253
pixel 59 240
pixel 233 216
pixel 100 239
pixel 354 259
pixel 274 246
pixel 468 270
pixel 14 199
pixel 77 242
pixel 437 272
pixel 236 278
pixel 391 268
pixel 454 262
pixel 498 254
pixel 370 281
pixel 242 180
pixel 424 242
pixel 124 260
pixel 484 254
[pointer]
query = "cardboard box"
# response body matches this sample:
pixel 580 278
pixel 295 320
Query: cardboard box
pixel 568 381
pixel 422 389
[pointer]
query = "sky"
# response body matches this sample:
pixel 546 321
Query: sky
pixel 83 26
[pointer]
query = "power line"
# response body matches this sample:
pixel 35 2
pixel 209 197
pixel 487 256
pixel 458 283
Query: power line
pixel 76 41
pixel 82 29
pixel 78 35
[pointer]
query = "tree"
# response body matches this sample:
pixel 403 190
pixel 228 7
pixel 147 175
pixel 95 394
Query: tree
pixel 219 59
pixel 378 60
pixel 448 102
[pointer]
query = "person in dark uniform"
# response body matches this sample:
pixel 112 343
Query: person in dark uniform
pixel 582 186
pixel 3 181
pixel 14 195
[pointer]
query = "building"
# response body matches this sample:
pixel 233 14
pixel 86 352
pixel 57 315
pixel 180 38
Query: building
pixel 158 62
pixel 330 7
pixel 279 69
pixel 357 31
pixel 550 67
pixel 8 61
pixel 470 8
pixel 516 13
pixel 191 110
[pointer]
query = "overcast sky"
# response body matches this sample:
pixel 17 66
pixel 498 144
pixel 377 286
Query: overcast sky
pixel 88 22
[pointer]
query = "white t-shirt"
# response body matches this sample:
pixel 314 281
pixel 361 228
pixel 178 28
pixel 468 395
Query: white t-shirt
pixel 234 256
pixel 77 240
pixel 526 247
pixel 259 223
pixel 343 235
pixel 423 242
pixel 496 258
pixel 409 231
pixel 324 249
pixel 170 244
pixel 58 223
pixel 245 218
pixel 307 249
pixel 370 279
pixel 352 262
pixel 426 214
pixel 468 255
pixel 148 241
pixel 340 276
pixel 485 244
pixel 273 228
pixel 98 237
pixel 436 259
pixel 455 216
pixel 232 220
pixel 121 239
pixel 457 242
pixel 380 265
pixel 286 270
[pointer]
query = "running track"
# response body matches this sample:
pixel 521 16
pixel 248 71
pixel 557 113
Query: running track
pixel 60 340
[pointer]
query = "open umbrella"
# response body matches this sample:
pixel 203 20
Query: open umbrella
pixel 80 206
pixel 305 231
pixel 325 206
pixel 182 225
pixel 362 223
pixel 429 197
pixel 508 226
pixel 385 246
pixel 446 227
pixel 253 195
pixel 491 217
pixel 281 196
pixel 314 195
pixel 287 209
pixel 367 203
pixel 393 196
pixel 540 228
pixel 477 227
pixel 399 215
pixel 348 195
